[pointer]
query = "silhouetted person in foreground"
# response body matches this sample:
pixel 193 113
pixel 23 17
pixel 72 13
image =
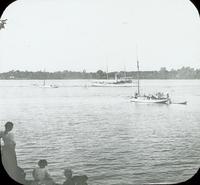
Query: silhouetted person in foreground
pixel 74 180
pixel 9 158
pixel 8 154
pixel 41 174
pixel 2 24
pixel 68 176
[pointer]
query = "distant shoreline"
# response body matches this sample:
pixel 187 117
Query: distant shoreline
pixel 183 73
pixel 90 79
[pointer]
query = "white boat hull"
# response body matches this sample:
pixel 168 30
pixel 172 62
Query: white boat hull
pixel 48 86
pixel 144 100
pixel 111 85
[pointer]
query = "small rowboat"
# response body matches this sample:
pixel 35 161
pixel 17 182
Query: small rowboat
pixel 183 102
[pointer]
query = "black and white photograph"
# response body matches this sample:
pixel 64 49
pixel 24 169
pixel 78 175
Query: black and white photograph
pixel 100 92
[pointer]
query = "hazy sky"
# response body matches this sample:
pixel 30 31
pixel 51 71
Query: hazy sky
pixel 92 34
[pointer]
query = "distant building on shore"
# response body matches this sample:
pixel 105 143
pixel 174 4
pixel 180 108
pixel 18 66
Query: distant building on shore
pixel 12 77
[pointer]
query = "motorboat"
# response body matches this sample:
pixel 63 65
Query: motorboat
pixel 112 83
pixel 44 85
pixel 143 99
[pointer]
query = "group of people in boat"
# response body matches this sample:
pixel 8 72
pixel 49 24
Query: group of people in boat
pixel 41 176
pixel 157 96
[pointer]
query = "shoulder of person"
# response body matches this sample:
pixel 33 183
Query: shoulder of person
pixel 80 177
pixel 11 134
pixel 45 170
pixel 36 170
pixel 65 183
pixel 47 174
pixel 69 182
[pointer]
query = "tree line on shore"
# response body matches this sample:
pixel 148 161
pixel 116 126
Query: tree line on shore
pixel 163 73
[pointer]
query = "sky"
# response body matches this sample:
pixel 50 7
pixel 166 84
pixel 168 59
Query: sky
pixel 90 35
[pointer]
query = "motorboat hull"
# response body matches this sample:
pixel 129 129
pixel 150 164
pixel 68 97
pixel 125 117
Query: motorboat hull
pixel 48 86
pixel 143 100
pixel 111 85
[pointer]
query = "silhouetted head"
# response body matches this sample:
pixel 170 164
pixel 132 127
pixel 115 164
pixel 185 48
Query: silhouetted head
pixel 8 126
pixel 42 163
pixel 68 173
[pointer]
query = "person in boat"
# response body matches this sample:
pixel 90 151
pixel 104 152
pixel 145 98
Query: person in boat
pixel 167 95
pixel 159 95
pixel 41 175
pixel 8 153
pixel 136 95
pixel 68 176
pixel 151 96
pixel 169 99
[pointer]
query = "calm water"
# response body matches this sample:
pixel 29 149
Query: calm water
pixel 98 132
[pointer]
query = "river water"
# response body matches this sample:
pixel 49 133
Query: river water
pixel 97 131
